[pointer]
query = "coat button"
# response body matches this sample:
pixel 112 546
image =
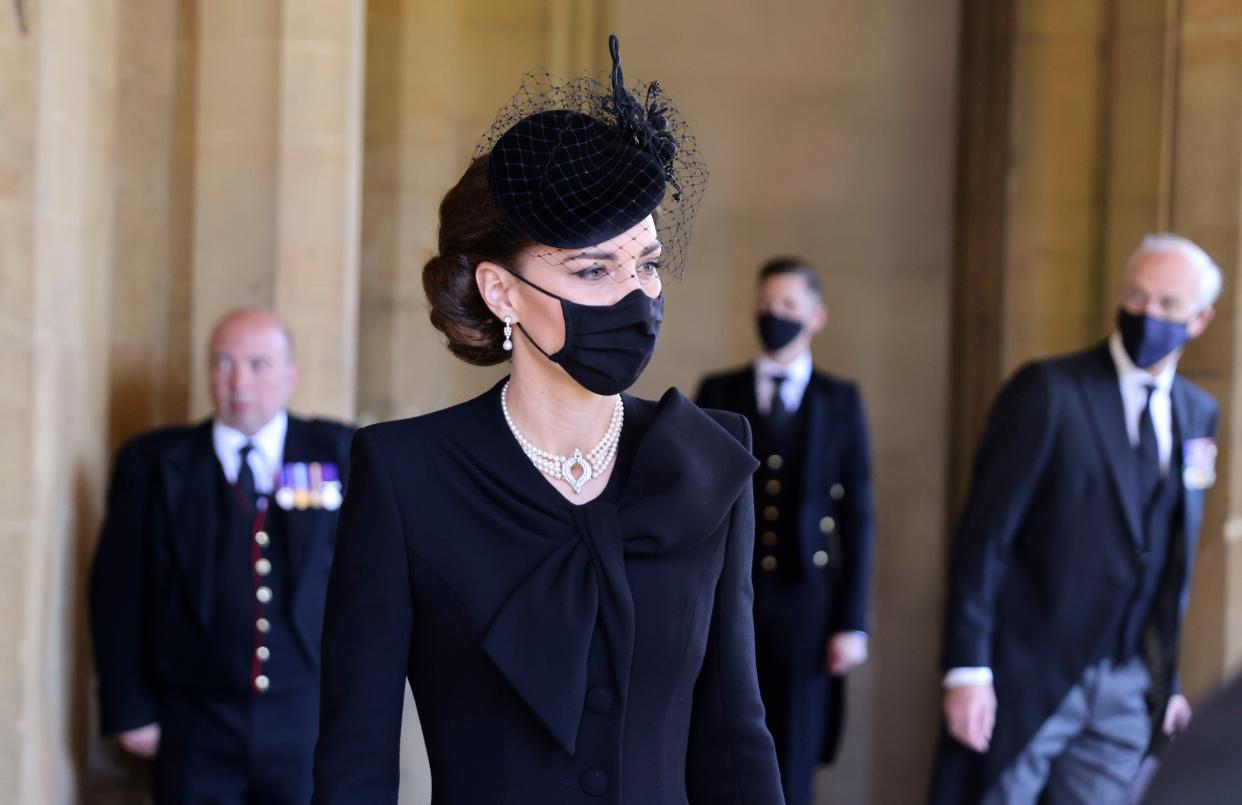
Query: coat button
pixel 837 491
pixel 264 594
pixel 262 538
pixel 775 461
pixel 768 563
pixel 773 487
pixel 599 700
pixel 263 653
pixel 595 782
pixel 769 538
pixel 262 683
pixel 820 558
pixel 827 525
pixel 263 625
pixel 771 513
pixel 263 567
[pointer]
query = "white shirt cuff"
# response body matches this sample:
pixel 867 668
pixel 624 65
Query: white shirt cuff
pixel 961 677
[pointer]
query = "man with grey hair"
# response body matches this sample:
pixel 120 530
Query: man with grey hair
pixel 1071 567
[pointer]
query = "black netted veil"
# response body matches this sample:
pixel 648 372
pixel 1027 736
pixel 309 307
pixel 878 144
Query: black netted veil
pixel 577 163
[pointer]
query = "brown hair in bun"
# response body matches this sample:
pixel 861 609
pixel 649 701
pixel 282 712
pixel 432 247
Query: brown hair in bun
pixel 472 230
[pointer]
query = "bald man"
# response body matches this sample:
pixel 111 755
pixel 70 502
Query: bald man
pixel 208 584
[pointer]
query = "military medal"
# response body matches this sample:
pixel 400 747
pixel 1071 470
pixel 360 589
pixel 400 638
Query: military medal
pixel 1199 463
pixel 284 491
pixel 330 495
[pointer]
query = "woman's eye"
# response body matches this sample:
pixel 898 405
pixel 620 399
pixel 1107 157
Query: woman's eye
pixel 651 268
pixel 592 273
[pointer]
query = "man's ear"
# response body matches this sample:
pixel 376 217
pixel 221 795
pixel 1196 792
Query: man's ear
pixel 818 320
pixel 1200 321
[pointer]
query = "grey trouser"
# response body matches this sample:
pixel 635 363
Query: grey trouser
pixel 1090 748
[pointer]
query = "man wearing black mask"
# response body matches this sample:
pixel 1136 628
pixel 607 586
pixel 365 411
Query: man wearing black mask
pixel 1071 569
pixel 815 525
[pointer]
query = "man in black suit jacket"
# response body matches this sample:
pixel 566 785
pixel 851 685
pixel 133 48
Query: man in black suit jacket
pixel 815 522
pixel 1071 569
pixel 208 584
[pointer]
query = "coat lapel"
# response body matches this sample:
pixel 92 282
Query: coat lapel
pixel 306 533
pixel 819 418
pixel 1101 393
pixel 191 483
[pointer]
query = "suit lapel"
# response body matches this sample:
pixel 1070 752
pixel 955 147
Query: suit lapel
pixel 1184 430
pixel 305 533
pixel 817 403
pixel 1101 393
pixel 748 405
pixel 191 483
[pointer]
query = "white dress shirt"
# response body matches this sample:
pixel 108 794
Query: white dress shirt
pixel 797 374
pixel 264 460
pixel 1134 383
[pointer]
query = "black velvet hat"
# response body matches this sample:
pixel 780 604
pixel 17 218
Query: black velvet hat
pixel 577 163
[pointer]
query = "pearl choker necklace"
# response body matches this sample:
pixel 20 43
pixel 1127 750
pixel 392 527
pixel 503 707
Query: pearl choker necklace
pixel 562 468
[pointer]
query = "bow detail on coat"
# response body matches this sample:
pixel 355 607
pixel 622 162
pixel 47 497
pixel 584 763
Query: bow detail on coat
pixel 686 475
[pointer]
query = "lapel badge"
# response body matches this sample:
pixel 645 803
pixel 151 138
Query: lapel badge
pixel 1199 463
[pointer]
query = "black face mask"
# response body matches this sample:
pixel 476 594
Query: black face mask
pixel 606 346
pixel 776 332
pixel 1147 339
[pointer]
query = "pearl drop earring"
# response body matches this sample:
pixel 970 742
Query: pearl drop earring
pixel 508 344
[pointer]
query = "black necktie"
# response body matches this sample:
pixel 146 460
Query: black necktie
pixel 777 411
pixel 245 476
pixel 1148 451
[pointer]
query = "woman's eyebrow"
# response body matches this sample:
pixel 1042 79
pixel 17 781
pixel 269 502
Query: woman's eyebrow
pixel 612 256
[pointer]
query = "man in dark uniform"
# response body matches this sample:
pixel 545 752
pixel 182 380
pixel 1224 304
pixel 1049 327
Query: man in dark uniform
pixel 815 522
pixel 208 584
pixel 1071 569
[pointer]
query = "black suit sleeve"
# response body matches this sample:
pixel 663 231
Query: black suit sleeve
pixel 1009 463
pixel 708 395
pixel 857 521
pixel 731 757
pixel 118 597
pixel 366 642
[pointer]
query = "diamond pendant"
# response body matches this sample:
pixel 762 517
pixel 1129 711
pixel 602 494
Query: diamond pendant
pixel 567 471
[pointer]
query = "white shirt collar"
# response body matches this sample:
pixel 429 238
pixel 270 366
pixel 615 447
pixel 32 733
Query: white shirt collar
pixel 1131 374
pixel 797 372
pixel 265 459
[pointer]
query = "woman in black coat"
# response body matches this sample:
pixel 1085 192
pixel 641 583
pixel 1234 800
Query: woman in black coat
pixel 561 570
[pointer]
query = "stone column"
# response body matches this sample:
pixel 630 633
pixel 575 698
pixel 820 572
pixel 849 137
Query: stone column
pixel 58 94
pixel 1204 204
pixel 278 151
